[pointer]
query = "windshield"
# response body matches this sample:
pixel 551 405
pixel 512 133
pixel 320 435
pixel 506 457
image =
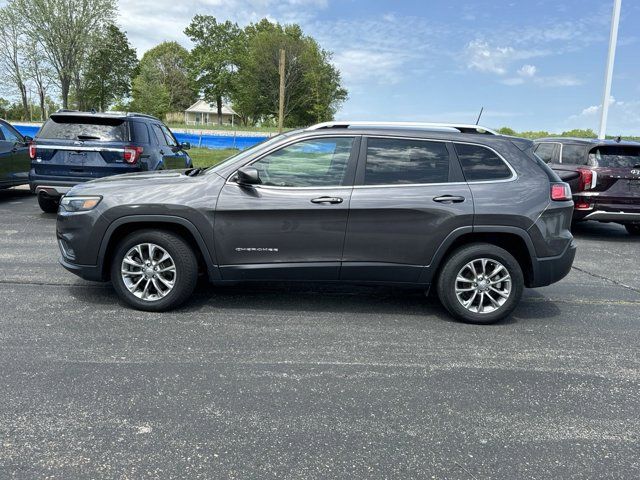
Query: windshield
pixel 251 150
pixel 614 156
pixel 70 127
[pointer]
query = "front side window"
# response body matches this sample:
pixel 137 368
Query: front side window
pixel 401 162
pixel 159 134
pixel 171 141
pixel 574 155
pixel 311 163
pixel 545 151
pixel 481 164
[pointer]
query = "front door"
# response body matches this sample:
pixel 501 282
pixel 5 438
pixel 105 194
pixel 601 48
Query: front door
pixel 291 226
pixel 409 196
pixel 14 156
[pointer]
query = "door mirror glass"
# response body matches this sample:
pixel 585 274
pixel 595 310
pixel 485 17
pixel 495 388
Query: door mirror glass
pixel 28 139
pixel 248 176
pixel 185 146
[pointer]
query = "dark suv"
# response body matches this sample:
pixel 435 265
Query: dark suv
pixel 14 156
pixel 604 176
pixel 74 147
pixel 475 213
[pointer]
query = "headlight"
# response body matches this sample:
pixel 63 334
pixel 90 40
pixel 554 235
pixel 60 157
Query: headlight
pixel 79 204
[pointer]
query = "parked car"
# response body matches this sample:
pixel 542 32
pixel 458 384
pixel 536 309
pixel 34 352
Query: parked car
pixel 473 213
pixel 14 156
pixel 74 147
pixel 604 176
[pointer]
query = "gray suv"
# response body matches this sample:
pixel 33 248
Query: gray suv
pixel 475 214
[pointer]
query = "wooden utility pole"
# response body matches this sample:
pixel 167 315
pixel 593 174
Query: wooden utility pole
pixel 281 106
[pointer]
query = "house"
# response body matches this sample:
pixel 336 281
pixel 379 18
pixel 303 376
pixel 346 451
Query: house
pixel 205 113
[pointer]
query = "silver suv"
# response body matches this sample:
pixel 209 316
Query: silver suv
pixel 475 214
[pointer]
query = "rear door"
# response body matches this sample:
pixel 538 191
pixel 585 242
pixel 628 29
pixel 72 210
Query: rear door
pixel 82 146
pixel 292 226
pixel 409 195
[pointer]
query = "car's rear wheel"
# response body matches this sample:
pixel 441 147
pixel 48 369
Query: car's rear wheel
pixel 480 283
pixel 48 204
pixel 633 228
pixel 154 270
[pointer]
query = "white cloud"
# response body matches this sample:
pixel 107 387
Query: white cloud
pixel 527 71
pixel 623 118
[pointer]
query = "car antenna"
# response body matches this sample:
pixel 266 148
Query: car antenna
pixel 479 115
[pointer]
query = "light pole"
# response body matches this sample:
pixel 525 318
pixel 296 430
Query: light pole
pixel 608 77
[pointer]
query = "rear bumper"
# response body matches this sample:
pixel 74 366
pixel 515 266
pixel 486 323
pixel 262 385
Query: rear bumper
pixel 610 216
pixel 53 186
pixel 549 270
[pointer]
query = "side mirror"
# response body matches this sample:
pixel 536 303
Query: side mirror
pixel 27 139
pixel 185 146
pixel 248 176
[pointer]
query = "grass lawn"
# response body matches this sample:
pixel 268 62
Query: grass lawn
pixel 206 157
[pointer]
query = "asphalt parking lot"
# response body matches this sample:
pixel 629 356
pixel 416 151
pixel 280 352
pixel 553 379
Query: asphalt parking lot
pixel 314 381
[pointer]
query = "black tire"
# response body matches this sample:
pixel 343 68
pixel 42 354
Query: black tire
pixel 48 204
pixel 186 266
pixel 633 228
pixel 453 265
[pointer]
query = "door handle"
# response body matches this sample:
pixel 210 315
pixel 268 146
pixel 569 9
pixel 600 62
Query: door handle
pixel 333 200
pixel 448 199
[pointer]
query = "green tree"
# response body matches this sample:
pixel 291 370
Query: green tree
pixel 507 131
pixel 65 29
pixel 313 90
pixel 165 64
pixel 110 69
pixel 580 133
pixel 213 62
pixel 150 95
pixel 12 58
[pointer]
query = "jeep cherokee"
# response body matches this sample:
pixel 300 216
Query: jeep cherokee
pixel 474 213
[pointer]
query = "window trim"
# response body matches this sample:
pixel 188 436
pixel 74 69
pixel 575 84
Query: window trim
pixel 349 175
pixel 363 156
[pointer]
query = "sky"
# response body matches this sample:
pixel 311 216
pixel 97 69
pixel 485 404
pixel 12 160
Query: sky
pixel 532 64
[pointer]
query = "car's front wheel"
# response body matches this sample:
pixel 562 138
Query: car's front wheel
pixel 154 270
pixel 480 283
pixel 633 228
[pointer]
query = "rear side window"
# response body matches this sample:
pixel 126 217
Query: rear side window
pixel 574 155
pixel 545 151
pixel 615 157
pixel 140 132
pixel 398 162
pixel 70 127
pixel 480 163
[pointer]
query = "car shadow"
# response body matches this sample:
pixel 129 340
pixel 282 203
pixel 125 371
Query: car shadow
pixel 602 231
pixel 13 194
pixel 315 298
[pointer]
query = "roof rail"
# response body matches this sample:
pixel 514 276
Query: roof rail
pixel 447 127
pixel 135 114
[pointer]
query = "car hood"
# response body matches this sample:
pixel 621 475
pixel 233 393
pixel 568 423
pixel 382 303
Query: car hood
pixel 138 180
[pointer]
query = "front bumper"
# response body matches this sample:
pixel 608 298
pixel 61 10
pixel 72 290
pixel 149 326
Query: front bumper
pixel 87 272
pixel 549 270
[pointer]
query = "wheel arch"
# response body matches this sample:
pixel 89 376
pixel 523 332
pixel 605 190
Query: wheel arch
pixel 124 226
pixel 514 240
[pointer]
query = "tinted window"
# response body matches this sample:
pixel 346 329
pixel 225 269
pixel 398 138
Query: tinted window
pixel 396 162
pixel 545 151
pixel 84 128
pixel 321 162
pixel 9 134
pixel 574 155
pixel 168 136
pixel 480 163
pixel 159 134
pixel 615 157
pixel 140 132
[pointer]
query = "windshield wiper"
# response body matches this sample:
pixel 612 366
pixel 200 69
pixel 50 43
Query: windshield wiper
pixel 88 137
pixel 192 172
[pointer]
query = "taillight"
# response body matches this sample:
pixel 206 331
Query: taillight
pixel 132 154
pixel 32 151
pixel 587 180
pixel 560 192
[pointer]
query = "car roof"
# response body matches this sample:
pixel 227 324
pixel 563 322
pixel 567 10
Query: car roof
pixel 588 141
pixel 114 115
